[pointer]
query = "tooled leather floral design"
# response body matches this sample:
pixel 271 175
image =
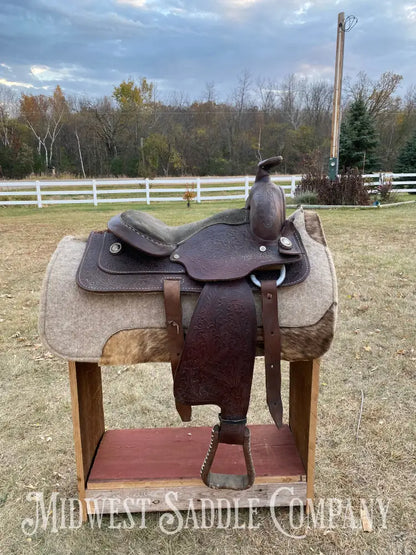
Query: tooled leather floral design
pixel 216 366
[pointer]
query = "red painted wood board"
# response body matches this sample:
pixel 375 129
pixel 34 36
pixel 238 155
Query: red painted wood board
pixel 178 453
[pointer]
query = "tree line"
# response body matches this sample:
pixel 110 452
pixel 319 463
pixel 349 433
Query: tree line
pixel 135 133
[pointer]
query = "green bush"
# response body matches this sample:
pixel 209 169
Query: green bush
pixel 116 166
pixel 306 197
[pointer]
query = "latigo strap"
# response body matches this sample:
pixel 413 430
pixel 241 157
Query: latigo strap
pixel 176 339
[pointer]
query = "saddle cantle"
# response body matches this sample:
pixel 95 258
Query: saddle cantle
pixel 224 258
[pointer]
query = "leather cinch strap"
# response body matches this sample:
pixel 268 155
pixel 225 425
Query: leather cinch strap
pixel 173 311
pixel 272 349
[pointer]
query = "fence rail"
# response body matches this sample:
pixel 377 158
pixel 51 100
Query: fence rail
pixel 98 191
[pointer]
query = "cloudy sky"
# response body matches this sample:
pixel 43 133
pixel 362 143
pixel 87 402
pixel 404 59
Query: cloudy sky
pixel 90 46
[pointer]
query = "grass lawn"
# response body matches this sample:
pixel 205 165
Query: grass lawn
pixel 369 369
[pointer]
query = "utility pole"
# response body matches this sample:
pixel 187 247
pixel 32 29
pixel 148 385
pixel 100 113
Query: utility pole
pixel 336 105
pixel 344 25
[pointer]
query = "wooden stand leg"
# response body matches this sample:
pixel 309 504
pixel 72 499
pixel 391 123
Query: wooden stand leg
pixel 87 418
pixel 303 403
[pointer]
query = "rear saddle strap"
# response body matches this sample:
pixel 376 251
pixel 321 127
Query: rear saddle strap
pixel 272 349
pixel 209 372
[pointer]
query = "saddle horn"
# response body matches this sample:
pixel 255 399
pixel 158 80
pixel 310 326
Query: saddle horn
pixel 266 202
pixel 265 166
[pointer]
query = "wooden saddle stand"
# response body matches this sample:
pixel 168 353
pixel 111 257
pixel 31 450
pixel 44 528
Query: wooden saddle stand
pixel 234 283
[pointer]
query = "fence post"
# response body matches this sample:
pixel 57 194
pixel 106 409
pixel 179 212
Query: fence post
pixel 198 189
pixel 246 187
pixel 94 192
pixel 293 186
pixel 38 194
pixel 147 191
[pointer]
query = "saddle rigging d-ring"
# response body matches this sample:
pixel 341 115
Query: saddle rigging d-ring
pixel 279 280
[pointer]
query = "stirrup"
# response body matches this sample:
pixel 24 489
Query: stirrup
pixel 228 481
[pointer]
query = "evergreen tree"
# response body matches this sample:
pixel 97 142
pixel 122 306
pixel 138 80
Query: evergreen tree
pixel 358 140
pixel 406 161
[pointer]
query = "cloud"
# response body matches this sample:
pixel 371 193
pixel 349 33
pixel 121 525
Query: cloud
pixel 303 9
pixel 91 46
pixel 45 73
pixel 315 71
pixel 16 84
pixel 410 12
pixel 178 10
pixel 135 3
pixel 239 3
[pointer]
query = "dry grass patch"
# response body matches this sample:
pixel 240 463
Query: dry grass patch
pixel 373 355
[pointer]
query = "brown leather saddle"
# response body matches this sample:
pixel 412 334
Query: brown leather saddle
pixel 224 258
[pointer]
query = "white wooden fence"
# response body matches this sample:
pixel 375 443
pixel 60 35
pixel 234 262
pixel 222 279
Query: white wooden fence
pixel 98 191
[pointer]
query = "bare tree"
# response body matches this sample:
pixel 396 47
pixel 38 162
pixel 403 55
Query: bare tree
pixel 268 92
pixel 44 116
pixel 291 98
pixel 210 94
pixel 8 110
pixel 242 93
pixel 108 120
pixel 377 95
pixel 318 100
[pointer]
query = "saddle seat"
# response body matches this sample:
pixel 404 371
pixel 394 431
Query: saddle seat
pixel 145 232
pixel 264 212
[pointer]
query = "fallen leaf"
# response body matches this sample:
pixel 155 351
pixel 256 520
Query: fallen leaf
pixel 365 521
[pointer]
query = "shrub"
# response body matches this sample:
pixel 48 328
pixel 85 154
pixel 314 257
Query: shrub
pixel 189 195
pixel 116 166
pixel 349 188
pixel 385 190
pixel 306 197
